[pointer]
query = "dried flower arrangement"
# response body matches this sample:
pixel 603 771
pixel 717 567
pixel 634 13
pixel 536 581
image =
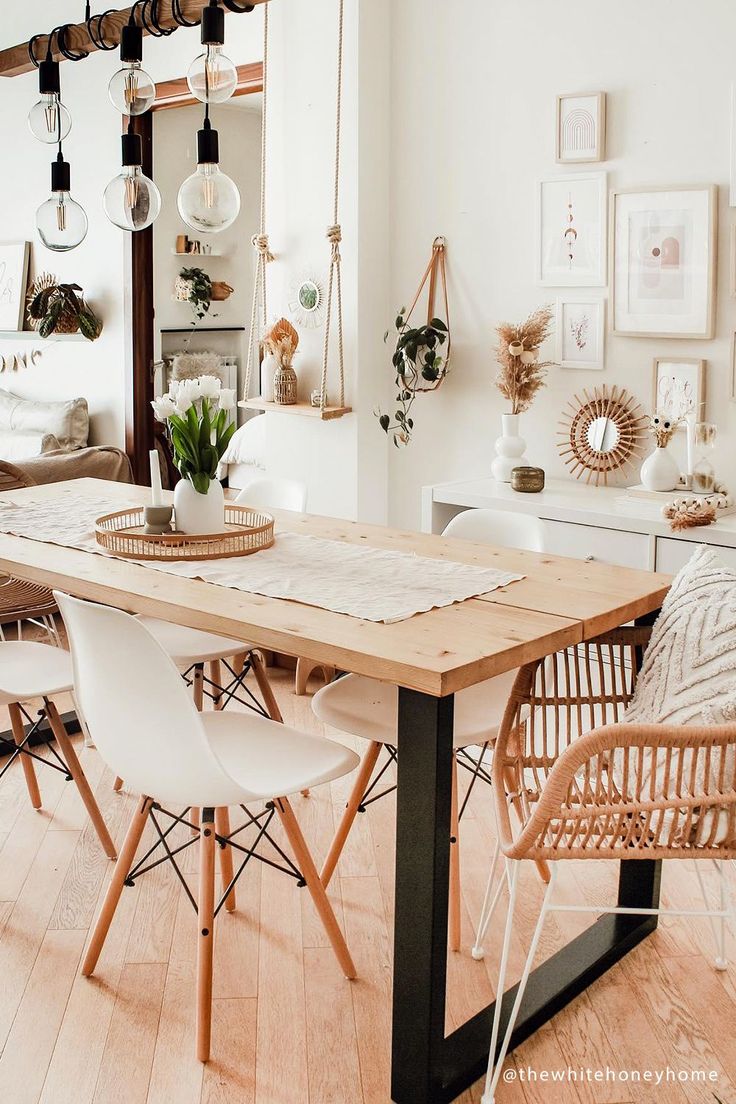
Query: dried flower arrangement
pixel 689 513
pixel 282 341
pixel 663 427
pixel 521 373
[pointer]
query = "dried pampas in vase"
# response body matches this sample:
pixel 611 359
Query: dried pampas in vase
pixel 521 374
pixel 281 341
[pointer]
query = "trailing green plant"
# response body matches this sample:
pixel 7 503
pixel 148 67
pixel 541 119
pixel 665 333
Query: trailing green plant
pixel 420 366
pixel 61 308
pixel 199 291
pixel 197 414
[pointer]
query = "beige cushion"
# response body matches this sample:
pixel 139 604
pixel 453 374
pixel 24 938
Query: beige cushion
pixel 67 420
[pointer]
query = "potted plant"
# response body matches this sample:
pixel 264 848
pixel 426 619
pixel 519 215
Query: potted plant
pixel 195 412
pixel 420 366
pixel 195 287
pixel 521 374
pixel 55 308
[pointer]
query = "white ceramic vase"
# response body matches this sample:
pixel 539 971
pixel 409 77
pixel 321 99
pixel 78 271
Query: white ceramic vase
pixel 199 513
pixel 269 364
pixel 509 449
pixel 659 471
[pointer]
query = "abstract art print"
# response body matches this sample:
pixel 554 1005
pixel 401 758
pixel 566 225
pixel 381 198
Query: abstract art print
pixel 580 332
pixel 664 266
pixel 571 231
pixel 581 128
pixel 14 258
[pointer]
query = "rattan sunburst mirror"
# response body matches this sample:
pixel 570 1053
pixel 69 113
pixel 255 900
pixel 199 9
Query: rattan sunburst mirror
pixel 601 433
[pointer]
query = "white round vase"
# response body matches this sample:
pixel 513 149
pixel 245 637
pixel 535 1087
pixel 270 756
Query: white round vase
pixel 199 513
pixel 509 449
pixel 659 472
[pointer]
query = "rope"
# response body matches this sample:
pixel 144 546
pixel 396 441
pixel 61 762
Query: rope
pixel 334 236
pixel 264 256
pixel 435 270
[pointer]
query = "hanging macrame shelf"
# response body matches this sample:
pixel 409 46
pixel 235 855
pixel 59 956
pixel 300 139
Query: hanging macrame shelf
pixel 305 409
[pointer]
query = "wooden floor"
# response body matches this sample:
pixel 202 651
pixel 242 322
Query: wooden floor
pixel 288 1029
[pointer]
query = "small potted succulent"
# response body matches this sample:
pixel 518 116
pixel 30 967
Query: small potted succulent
pixel 55 308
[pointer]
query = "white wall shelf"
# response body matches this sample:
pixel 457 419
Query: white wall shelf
pixel 31 335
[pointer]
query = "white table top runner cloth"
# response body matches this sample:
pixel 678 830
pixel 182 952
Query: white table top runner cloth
pixel 360 581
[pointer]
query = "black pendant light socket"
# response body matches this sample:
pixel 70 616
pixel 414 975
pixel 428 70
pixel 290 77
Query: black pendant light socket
pixel 48 78
pixel 213 25
pixel 131 43
pixel 60 175
pixel 132 150
pixel 208 145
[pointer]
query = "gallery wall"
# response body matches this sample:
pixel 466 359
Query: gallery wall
pixel 474 130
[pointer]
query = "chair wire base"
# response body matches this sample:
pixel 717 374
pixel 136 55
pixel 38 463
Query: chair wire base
pixel 24 749
pixel 221 696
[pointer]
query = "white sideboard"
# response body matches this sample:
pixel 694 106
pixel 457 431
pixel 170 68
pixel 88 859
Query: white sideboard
pixel 587 523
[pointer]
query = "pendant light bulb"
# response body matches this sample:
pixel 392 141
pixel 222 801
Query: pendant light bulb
pixel 212 77
pixel 61 222
pixel 49 120
pixel 131 90
pixel 208 200
pixel 131 200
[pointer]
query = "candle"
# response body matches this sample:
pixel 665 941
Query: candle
pixel 156 490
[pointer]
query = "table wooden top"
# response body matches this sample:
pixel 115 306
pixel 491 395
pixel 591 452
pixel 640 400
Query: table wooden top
pixel 561 602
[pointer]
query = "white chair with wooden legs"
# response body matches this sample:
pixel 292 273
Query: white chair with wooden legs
pixel 367 708
pixel 593 788
pixel 146 728
pixel 31 671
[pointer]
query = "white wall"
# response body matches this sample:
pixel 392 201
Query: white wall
pixel 473 122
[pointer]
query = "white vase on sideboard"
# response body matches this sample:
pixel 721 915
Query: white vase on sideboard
pixel 659 472
pixel 199 513
pixel 510 448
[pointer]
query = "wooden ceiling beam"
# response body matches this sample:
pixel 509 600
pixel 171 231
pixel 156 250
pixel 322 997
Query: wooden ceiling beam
pixel 15 59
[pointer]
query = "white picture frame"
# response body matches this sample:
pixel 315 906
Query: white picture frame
pixel 678 379
pixel 663 261
pixel 14 259
pixel 580 128
pixel 580 332
pixel 571 229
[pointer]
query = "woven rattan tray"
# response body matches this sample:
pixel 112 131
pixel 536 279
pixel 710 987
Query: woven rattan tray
pixel 246 531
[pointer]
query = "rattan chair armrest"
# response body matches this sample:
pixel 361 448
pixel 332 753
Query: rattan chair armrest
pixel 602 740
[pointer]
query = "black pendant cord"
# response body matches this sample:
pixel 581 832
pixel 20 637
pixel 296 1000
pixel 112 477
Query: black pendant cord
pixel 96 29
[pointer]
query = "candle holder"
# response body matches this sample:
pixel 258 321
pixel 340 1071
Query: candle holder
pixel 157 520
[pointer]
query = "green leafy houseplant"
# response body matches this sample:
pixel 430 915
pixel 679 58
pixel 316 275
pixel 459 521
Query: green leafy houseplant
pixel 199 291
pixel 420 366
pixel 196 412
pixel 61 308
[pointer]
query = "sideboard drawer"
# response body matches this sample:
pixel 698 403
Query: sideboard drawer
pixel 674 554
pixel 587 542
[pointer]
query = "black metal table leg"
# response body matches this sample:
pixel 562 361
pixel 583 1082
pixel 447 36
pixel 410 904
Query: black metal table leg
pixel 427 1067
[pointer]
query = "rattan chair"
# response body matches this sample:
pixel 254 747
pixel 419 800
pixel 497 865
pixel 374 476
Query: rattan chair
pixel 585 785
pixel 21 600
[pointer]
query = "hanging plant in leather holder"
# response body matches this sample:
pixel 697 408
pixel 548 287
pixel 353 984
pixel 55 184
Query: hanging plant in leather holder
pixel 421 355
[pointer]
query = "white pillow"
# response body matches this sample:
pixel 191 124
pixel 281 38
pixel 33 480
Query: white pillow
pixel 248 444
pixel 689 672
pixel 15 447
pixel 67 420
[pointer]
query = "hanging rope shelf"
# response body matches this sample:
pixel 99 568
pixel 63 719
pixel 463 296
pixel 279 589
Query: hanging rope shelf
pixel 259 314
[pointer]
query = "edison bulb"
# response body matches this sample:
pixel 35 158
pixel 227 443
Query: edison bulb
pixel 131 200
pixel 49 120
pixel 208 200
pixel 61 222
pixel 131 90
pixel 212 77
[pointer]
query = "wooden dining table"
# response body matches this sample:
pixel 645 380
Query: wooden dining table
pixel 430 657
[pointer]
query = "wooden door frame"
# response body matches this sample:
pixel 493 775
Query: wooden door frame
pixel 138 312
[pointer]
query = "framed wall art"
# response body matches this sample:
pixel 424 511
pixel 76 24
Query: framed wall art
pixel 14 257
pixel 678 384
pixel 581 128
pixel 571 231
pixel 580 332
pixel 664 261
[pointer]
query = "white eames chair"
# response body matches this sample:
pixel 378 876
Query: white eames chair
pixel 29 671
pixel 367 708
pixel 146 728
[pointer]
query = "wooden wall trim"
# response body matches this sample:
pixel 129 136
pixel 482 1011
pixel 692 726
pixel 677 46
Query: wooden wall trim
pixel 15 59
pixel 175 93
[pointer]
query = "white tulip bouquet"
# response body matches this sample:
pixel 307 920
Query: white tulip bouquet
pixel 195 412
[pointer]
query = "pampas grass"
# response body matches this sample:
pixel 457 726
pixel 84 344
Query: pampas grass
pixel 281 340
pixel 664 427
pixel 521 374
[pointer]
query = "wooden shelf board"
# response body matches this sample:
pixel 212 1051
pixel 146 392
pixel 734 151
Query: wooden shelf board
pixel 305 409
